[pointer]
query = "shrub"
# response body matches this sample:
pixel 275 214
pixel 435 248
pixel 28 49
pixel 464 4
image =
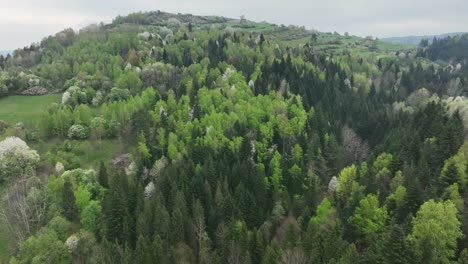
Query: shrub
pixel 78 132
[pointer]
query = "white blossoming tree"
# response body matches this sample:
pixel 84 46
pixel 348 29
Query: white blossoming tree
pixel 16 158
pixel 78 132
pixel 72 243
pixel 149 190
pixel 333 185
pixel 59 168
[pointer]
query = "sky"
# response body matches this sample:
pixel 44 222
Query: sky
pixel 23 22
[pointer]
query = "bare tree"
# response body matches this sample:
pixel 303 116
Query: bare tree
pixel 199 226
pixel 24 208
pixel 293 256
pixel 356 150
pixel 236 255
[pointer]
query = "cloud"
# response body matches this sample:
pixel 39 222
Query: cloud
pixel 26 21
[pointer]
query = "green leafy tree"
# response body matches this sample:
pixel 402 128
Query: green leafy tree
pixel 436 230
pixel 369 218
pixel 44 247
pixel 90 216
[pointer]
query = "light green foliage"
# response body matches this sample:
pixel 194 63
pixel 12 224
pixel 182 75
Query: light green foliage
pixel 297 153
pixel 397 181
pixel 276 173
pixel 369 218
pixel 55 193
pixel 82 115
pixel 87 179
pixel 44 247
pixel 348 186
pixel 130 81
pixel 82 197
pixel 142 149
pixel 323 213
pixel 98 126
pixel 90 216
pixel 399 196
pixel 382 164
pixel 436 230
pixel 452 193
pixel 61 226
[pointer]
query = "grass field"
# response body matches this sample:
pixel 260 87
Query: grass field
pixel 17 108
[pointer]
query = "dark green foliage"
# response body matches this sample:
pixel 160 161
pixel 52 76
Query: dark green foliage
pixel 69 208
pixel 102 176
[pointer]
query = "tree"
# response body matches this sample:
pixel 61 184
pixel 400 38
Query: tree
pixel 44 247
pixel 102 176
pixel 323 239
pixel 69 207
pixel 199 228
pixel 82 197
pixel 132 58
pixel 450 174
pixel 142 251
pixel 369 218
pixel 116 209
pixel 16 159
pixel 436 230
pixel 90 216
pixel 395 248
pixel 98 128
pixel 355 149
pixel 25 207
pixel 272 254
pixel 78 132
pixel 276 177
pixel 159 252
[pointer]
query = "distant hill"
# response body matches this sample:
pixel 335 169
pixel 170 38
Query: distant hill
pixel 449 49
pixel 415 40
pixel 5 52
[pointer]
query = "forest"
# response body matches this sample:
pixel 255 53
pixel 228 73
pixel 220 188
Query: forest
pixel 173 138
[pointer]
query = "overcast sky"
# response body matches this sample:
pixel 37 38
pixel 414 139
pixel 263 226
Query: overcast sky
pixel 25 21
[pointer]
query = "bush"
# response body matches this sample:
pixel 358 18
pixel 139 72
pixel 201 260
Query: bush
pixel 78 132
pixel 3 126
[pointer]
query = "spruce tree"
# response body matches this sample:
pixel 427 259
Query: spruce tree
pixel 69 207
pixel 102 176
pixel 450 175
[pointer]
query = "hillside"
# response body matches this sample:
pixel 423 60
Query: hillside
pixel 175 138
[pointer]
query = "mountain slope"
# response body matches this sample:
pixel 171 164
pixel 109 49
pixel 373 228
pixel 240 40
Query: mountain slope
pixel 186 139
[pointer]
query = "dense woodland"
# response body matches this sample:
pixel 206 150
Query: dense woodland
pixel 239 142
